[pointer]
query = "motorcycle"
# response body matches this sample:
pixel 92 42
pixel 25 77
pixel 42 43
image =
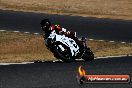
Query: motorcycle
pixel 68 49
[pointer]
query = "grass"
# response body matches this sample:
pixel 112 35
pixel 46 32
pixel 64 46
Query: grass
pixel 21 47
pixel 116 9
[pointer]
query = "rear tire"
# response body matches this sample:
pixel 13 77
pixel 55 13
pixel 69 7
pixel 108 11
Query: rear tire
pixel 88 55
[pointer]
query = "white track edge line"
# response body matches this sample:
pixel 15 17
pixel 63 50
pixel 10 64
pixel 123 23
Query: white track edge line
pixel 62 61
pixel 39 34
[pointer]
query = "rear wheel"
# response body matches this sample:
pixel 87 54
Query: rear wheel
pixel 62 52
pixel 88 55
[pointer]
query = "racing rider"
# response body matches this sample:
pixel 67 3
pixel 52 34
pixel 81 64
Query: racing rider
pixel 48 28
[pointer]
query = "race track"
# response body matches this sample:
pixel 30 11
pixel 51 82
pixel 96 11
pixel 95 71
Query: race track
pixel 106 29
pixel 62 75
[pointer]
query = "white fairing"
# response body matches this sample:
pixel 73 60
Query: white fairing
pixel 66 41
pixel 63 29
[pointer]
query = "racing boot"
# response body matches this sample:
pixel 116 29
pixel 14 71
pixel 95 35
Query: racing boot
pixel 83 40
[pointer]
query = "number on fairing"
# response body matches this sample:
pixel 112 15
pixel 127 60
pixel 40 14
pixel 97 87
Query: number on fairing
pixel 73 46
pixel 69 42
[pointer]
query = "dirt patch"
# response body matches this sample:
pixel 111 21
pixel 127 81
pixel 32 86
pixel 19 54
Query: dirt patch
pixel 115 9
pixel 21 47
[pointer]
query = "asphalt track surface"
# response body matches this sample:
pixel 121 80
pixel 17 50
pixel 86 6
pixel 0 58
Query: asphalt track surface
pixel 106 29
pixel 63 75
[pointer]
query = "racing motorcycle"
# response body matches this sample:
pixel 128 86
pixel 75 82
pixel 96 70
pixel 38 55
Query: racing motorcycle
pixel 67 49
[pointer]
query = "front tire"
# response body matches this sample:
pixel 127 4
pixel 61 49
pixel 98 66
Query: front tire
pixel 88 55
pixel 64 55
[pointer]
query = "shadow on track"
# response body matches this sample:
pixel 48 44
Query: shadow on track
pixel 62 75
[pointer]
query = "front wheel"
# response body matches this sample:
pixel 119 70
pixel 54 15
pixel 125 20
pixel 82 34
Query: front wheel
pixel 62 52
pixel 88 55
